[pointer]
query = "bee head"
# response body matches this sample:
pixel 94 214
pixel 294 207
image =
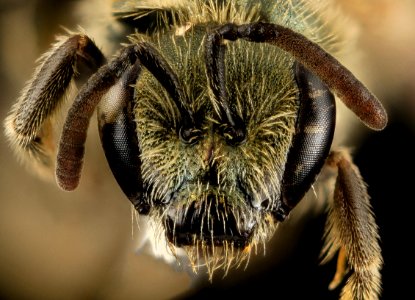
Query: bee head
pixel 222 142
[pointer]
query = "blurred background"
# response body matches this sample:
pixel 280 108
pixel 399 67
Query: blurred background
pixel 80 245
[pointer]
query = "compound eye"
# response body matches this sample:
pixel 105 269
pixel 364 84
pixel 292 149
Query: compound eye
pixel 117 130
pixel 121 149
pixel 313 137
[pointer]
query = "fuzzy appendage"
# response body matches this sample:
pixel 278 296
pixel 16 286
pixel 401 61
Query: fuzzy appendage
pixel 31 121
pixel 351 225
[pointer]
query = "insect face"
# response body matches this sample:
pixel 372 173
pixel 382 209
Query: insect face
pixel 215 123
pixel 207 189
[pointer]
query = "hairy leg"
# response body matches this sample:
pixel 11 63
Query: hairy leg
pixel 29 126
pixel 351 227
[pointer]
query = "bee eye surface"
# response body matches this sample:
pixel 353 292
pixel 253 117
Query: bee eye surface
pixel 313 137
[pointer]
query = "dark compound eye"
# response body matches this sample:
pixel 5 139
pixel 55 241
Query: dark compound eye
pixel 119 139
pixel 313 137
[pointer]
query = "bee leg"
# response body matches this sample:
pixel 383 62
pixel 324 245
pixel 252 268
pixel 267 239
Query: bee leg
pixel 341 269
pixel 29 126
pixel 119 138
pixel 351 227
